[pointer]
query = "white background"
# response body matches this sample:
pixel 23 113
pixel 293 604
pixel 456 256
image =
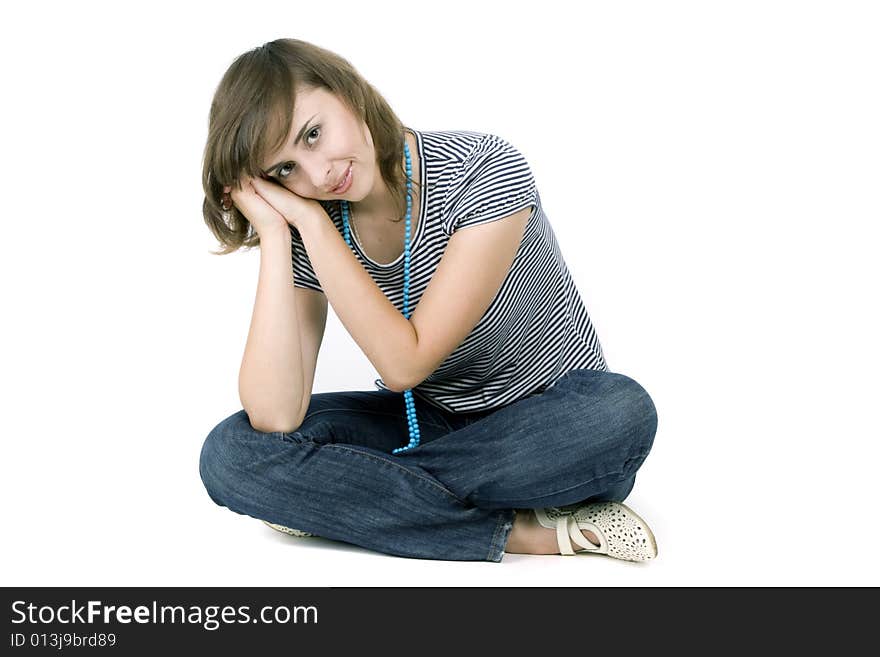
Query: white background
pixel 710 170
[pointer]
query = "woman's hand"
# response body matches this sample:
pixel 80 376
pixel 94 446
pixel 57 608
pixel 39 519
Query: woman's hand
pixel 262 216
pixel 269 206
pixel 294 208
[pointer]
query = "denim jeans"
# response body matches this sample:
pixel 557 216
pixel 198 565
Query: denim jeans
pixel 454 496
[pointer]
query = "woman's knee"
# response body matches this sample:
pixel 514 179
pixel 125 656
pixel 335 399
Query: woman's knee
pixel 632 401
pixel 621 406
pixel 223 455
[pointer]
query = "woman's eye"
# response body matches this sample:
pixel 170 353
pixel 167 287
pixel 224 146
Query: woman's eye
pixel 290 164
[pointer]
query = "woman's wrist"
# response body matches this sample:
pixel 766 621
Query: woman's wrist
pixel 312 222
pixel 275 233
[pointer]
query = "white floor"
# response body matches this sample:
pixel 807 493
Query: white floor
pixel 153 525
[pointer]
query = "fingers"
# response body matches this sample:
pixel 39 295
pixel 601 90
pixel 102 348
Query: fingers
pixel 268 190
pixel 248 194
pixel 243 184
pixel 246 197
pixel 241 190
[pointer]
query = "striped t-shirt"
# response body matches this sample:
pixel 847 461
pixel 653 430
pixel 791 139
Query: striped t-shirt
pixel 536 328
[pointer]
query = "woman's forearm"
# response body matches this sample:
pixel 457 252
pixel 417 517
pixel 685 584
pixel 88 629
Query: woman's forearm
pixel 270 381
pixel 385 336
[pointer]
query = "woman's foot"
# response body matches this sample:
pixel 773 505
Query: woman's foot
pixel 528 536
pixel 622 533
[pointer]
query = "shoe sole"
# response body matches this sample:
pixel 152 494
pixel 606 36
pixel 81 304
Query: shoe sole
pixel 287 530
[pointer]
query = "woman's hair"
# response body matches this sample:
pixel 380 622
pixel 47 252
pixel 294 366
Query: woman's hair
pixel 250 118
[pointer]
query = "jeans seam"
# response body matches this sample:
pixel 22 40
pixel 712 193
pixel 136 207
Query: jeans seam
pixel 400 467
pixel 495 546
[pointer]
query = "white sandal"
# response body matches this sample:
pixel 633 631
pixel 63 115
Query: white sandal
pixel 621 532
pixel 288 530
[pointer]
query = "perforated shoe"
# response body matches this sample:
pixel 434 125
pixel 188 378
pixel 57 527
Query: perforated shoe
pixel 621 532
pixel 288 530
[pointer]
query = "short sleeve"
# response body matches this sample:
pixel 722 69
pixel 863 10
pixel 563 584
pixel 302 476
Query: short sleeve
pixel 493 181
pixel 303 274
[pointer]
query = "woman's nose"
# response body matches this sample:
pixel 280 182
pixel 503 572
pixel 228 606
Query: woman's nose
pixel 319 174
pixel 321 179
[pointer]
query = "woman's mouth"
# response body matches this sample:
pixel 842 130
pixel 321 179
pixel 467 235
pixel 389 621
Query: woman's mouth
pixel 346 182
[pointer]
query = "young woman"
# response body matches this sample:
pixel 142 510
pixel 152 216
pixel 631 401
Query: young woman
pixel 496 425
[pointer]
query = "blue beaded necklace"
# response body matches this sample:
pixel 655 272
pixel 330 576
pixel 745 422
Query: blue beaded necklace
pixel 414 434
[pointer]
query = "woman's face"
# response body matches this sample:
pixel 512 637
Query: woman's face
pixel 328 139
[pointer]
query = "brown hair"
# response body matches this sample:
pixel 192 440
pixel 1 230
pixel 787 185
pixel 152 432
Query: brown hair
pixel 250 118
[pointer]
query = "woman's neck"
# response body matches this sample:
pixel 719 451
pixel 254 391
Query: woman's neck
pixel 379 206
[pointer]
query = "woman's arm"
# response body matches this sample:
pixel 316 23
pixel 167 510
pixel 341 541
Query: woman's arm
pixel 270 381
pixel 406 351
pixel 384 335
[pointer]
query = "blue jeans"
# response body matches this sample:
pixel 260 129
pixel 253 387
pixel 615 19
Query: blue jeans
pixel 454 496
